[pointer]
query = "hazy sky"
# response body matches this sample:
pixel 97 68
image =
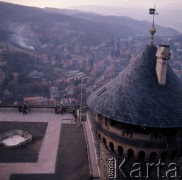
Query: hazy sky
pixel 169 11
pixel 123 3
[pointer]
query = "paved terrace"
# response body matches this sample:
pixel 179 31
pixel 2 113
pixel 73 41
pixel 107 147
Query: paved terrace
pixel 66 150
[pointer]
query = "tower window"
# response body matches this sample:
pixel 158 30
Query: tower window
pixel 112 123
pixel 120 150
pixel 130 153
pixel 153 156
pixel 141 155
pixel 99 136
pixel 104 141
pixel 99 117
pixel 111 146
pixel 105 122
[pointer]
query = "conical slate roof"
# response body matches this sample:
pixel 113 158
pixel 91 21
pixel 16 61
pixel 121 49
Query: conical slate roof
pixel 135 97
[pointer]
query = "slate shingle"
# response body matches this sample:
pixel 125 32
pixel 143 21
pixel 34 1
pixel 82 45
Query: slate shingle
pixel 135 97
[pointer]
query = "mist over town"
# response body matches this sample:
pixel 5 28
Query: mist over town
pixel 90 89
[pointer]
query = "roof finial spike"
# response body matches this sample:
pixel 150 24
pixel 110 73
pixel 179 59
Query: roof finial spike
pixel 152 30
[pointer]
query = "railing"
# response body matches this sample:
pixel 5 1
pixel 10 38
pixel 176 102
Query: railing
pixel 67 108
pixel 38 106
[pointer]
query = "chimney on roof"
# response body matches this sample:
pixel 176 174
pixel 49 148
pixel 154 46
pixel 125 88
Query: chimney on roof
pixel 163 55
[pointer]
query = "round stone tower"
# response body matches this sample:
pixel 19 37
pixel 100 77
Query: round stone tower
pixel 136 117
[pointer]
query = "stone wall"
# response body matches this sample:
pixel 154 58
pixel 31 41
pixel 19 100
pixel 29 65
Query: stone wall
pixel 169 169
pixel 105 156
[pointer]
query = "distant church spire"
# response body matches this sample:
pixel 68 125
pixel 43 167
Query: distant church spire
pixel 152 29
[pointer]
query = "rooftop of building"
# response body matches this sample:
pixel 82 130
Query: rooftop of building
pixel 51 154
pixel 135 97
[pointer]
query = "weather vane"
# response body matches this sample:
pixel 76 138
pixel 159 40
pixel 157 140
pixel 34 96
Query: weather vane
pixel 152 30
pixel 153 12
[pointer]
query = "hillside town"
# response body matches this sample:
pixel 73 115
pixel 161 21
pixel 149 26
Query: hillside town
pixel 67 68
pixel 89 96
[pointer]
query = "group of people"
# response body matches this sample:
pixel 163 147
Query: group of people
pixel 23 108
pixel 59 109
pixel 74 114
